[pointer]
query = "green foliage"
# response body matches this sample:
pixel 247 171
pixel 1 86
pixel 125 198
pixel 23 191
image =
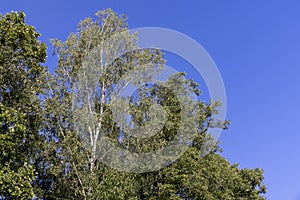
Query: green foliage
pixel 20 81
pixel 15 174
pixel 41 152
pixel 78 173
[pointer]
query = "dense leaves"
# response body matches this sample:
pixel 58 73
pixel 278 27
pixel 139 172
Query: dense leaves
pixel 49 148
pixel 21 80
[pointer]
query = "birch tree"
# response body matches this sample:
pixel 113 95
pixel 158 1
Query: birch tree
pixel 94 65
pixel 80 174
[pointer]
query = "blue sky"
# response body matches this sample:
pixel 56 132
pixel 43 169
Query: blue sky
pixel 256 46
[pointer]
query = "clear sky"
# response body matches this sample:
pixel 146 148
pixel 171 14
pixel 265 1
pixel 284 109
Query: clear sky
pixel 256 46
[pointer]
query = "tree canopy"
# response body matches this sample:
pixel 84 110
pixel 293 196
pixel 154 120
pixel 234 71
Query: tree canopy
pixel 21 81
pixel 55 125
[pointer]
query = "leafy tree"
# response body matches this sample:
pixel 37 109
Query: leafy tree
pixel 41 152
pixel 73 170
pixel 21 80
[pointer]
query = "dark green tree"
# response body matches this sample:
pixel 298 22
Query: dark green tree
pixel 21 81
